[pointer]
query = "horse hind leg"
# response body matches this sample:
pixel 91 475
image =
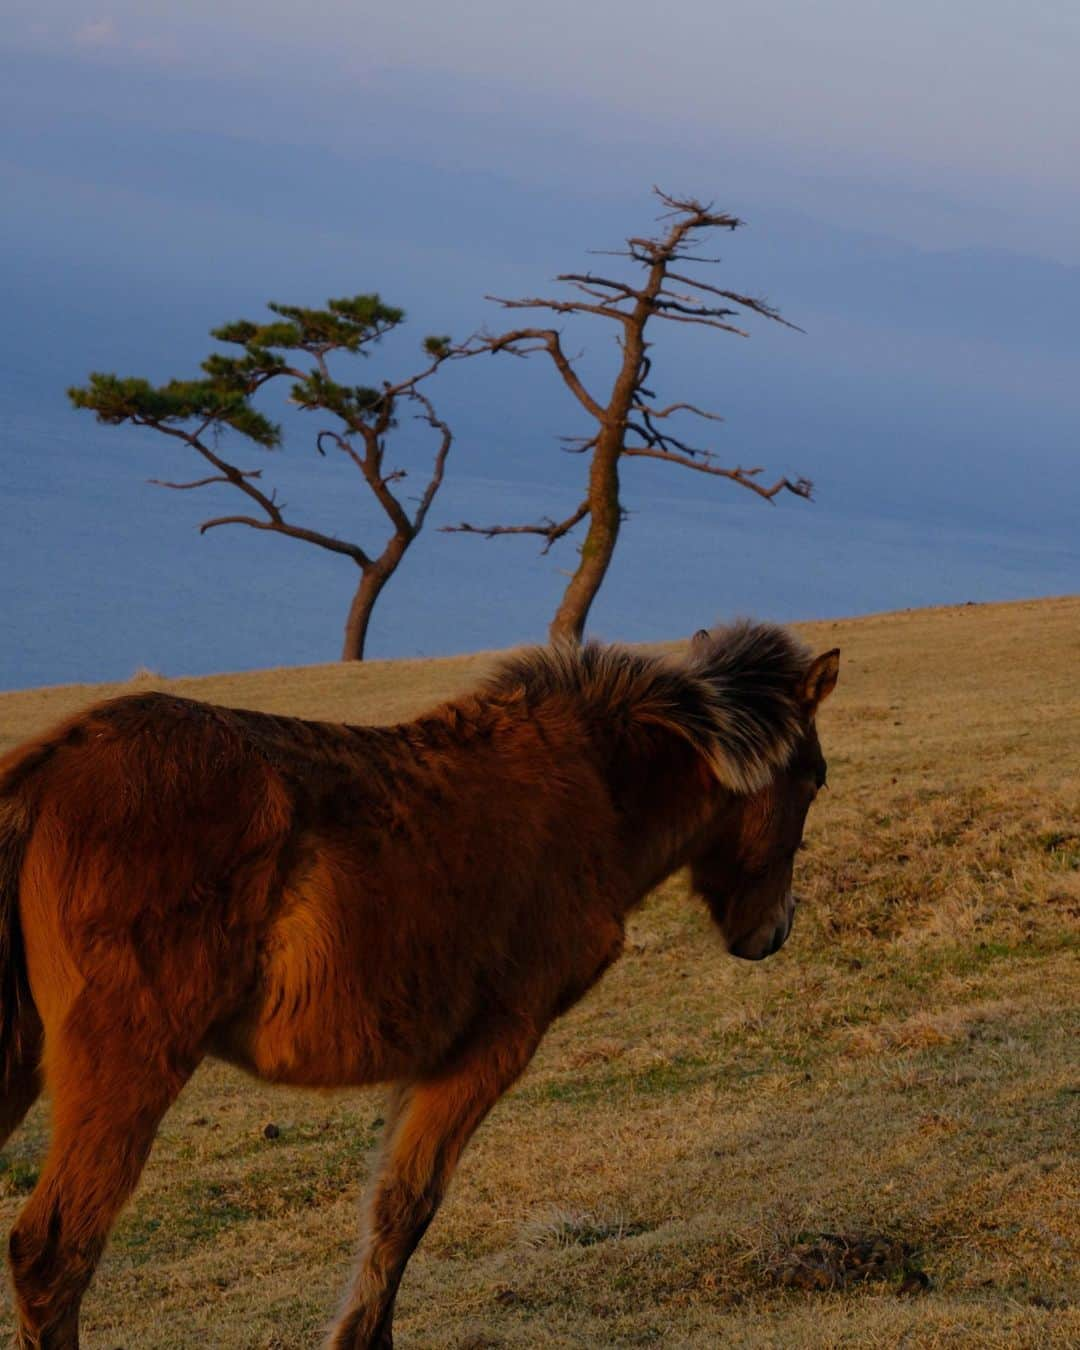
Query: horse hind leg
pixel 112 1079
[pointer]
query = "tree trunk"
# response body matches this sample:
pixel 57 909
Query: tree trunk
pixel 605 517
pixel 605 510
pixel 363 602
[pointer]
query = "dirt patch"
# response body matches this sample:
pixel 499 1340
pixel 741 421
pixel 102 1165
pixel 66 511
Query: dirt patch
pixel 823 1261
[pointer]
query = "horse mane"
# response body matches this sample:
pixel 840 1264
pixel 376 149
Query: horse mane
pixel 734 697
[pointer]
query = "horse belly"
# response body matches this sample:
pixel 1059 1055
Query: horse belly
pixel 322 1014
pixel 305 1052
pixel 310 1022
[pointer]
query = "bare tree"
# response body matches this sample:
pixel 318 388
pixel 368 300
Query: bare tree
pixel 198 412
pixel 629 422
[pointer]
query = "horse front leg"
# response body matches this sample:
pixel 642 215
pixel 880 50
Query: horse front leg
pixel 430 1122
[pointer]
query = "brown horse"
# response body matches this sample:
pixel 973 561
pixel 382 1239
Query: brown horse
pixel 338 905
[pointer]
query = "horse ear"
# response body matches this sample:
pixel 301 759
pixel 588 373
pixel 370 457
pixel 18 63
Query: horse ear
pixel 820 680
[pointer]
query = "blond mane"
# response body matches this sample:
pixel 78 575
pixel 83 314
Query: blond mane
pixel 734 697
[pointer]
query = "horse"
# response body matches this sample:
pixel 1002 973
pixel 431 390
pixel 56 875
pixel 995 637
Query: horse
pixel 336 905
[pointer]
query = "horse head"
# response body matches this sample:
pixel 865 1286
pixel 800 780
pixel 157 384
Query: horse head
pixel 745 866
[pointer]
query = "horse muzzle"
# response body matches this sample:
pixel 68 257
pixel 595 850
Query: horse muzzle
pixel 766 940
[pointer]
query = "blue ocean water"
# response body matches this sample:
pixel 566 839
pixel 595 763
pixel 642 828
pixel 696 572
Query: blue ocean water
pixel 104 574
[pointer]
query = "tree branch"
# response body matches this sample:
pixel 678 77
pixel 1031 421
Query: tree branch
pixel 705 323
pixel 439 467
pixel 658 413
pixel 585 279
pixel 761 307
pixel 275 522
pixel 549 529
pixel 548 340
pixel 237 477
pixel 561 307
pixel 704 311
pixel 342 444
pixel 202 482
pixel 577 445
pixel 801 487
pixel 280 526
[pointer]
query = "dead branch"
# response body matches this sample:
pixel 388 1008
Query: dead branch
pixel 549 529
pixel 658 413
pixel 561 307
pixel 203 482
pixel 577 445
pixel 705 323
pixel 548 340
pixel 801 487
pixel 758 306
pixel 691 206
pixel 588 279
pixel 662 304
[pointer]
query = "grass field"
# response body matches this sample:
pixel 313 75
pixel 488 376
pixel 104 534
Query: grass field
pixel 907 1066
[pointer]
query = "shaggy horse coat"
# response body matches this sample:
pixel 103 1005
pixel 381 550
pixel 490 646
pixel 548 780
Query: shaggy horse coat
pixel 340 905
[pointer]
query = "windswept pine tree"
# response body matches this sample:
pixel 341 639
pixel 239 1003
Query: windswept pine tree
pixel 629 421
pixel 297 345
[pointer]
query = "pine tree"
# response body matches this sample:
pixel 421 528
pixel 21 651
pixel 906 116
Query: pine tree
pixel 297 345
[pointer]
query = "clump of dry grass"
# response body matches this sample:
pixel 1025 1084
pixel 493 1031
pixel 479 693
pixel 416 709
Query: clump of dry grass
pixel 563 1228
pixel 826 1261
pixel 907 1066
pixel 927 1028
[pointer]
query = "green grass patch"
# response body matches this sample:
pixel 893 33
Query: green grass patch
pixel 17 1177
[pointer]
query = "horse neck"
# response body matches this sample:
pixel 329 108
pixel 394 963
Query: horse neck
pixel 669 804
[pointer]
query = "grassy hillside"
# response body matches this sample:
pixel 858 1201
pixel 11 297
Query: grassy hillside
pixel 907 1066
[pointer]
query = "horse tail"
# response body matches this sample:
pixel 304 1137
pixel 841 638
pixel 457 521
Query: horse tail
pixel 14 983
pixel 18 1016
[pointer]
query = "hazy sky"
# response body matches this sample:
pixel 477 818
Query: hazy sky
pixel 975 102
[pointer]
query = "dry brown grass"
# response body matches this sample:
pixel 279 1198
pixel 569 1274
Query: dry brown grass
pixel 907 1065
